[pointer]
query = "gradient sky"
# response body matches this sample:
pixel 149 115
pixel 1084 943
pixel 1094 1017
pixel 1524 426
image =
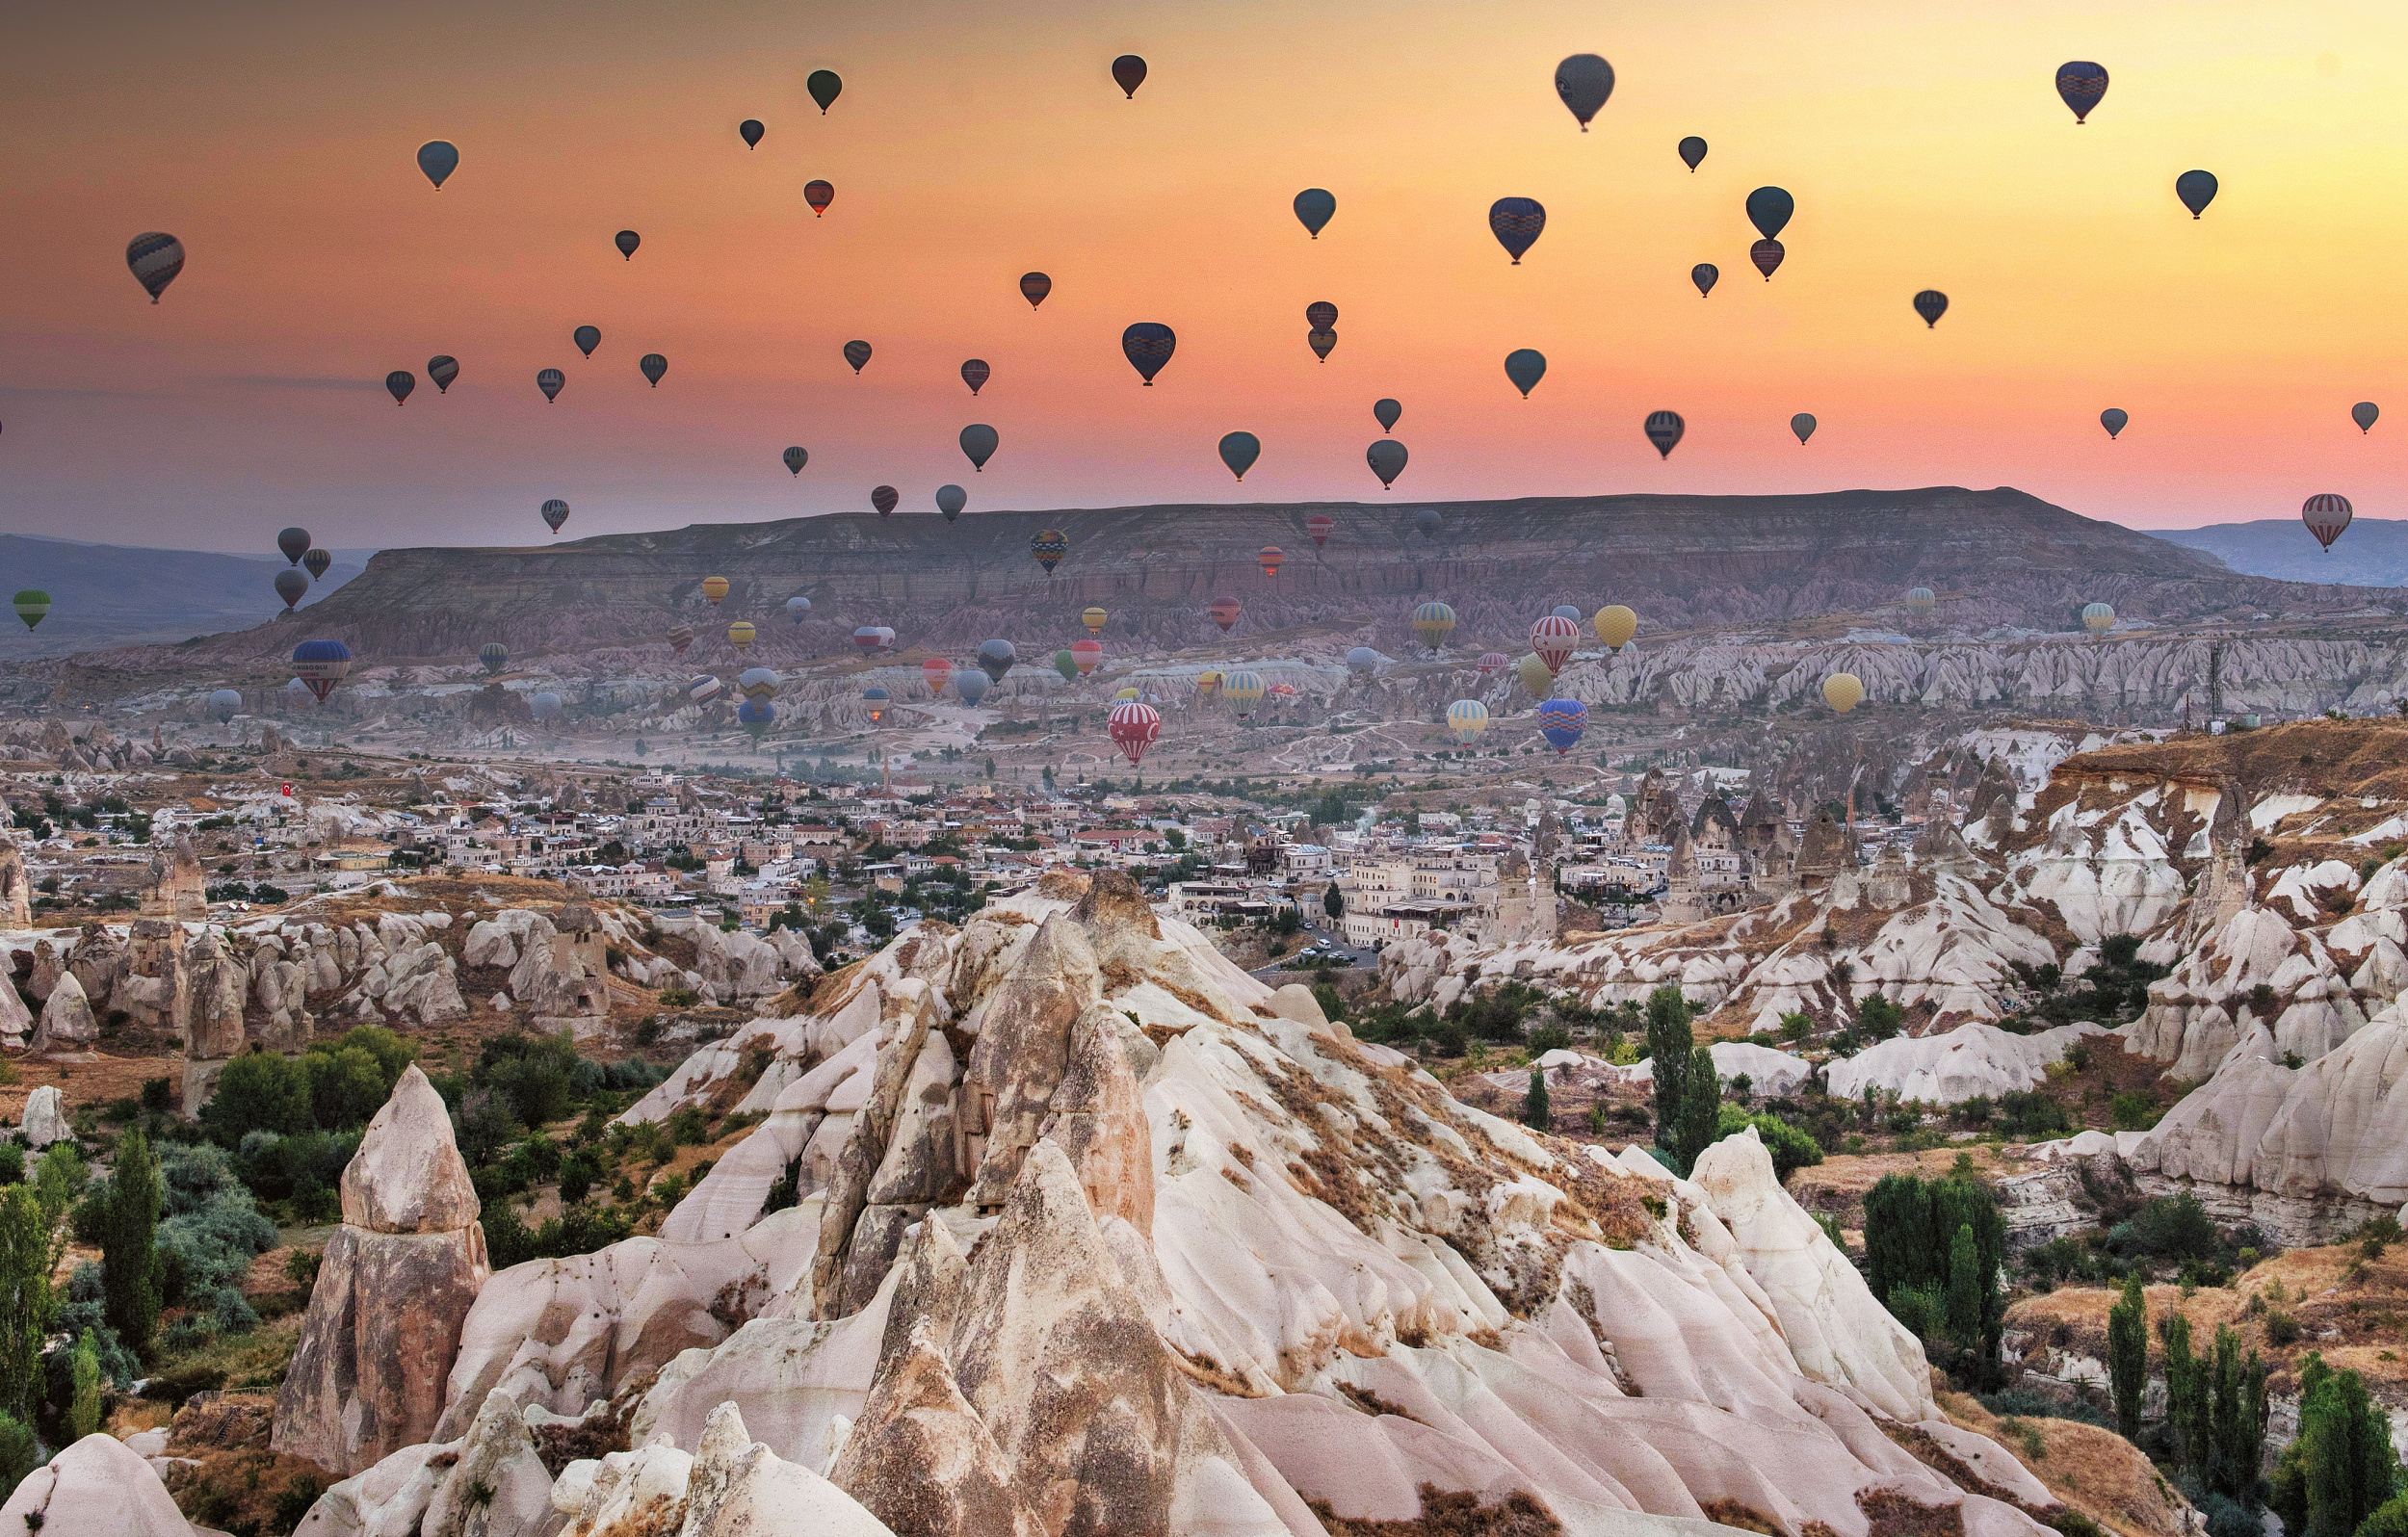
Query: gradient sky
pixel 1923 143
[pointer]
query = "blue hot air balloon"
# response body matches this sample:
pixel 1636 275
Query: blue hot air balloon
pixel 1516 223
pixel 2080 84
pixel 1238 450
pixel 1148 346
pixel 1314 208
pixel 438 158
pixel 1526 366
pixel 1561 721
pixel 320 665
pixel 972 685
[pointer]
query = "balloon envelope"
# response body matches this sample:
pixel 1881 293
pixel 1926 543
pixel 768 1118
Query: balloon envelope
pixel 740 633
pixel 1705 274
pixel 155 259
pixel 1769 209
pixel 1224 613
pixel 2197 189
pixel 1536 675
pixel 703 686
pixel 556 514
pixel 1238 450
pixel 1086 656
pixel 886 499
pixel 223 703
pixel 1525 367
pixel 1561 721
pixel 546 705
pixel 2098 619
pixel 1766 255
pixel 1517 223
pixel 1128 73
pixel 975 373
pixel 1386 458
pixel 653 365
pixel 996 657
pixel 1466 719
pixel 438 158
pixel 1433 624
pixel 627 240
pixel 2113 421
pixel 979 442
pixel 2364 414
pixel 797 608
pixel 2326 515
pixel 1692 151
pixel 1583 83
pixel 1425 522
pixel 493 656
pixel 1803 424
pixel 824 86
pixel 934 673
pixel 293 544
pixel 795 458
pixel 1048 546
pixel 1921 599
pixel 320 665
pixel 1132 728
pixel 750 131
pixel 2080 84
pixel 1841 690
pixel 951 500
pixel 1551 638
pixel 587 338
pixel 819 194
pixel 291 586
pixel 1066 664
pixel 1313 209
pixel 1093 619
pixel 714 589
pixel 1615 624
pixel 316 562
pixel 1663 430
pixel 399 384
pixel 1319 527
pixel 1385 412
pixel 1931 305
pixel 1492 662
pixel 1243 690
pixel 1361 659
pixel 442 370
pixel 1034 287
pixel 549 380
pixel 1147 346
pixel 857 353
pixel 972 687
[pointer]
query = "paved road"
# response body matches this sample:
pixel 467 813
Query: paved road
pixel 1278 971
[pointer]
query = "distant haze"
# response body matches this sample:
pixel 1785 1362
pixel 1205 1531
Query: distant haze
pixel 2371 552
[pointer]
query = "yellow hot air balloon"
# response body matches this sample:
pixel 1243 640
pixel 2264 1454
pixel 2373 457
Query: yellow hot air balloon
pixel 714 589
pixel 1243 691
pixel 1125 694
pixel 1615 625
pixel 1536 675
pixel 2098 619
pixel 1093 619
pixel 1207 683
pixel 1842 690
pixel 1467 718
pixel 740 635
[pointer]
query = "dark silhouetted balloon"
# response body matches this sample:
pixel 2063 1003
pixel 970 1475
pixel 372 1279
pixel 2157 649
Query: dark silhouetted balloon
pixel 1315 208
pixel 627 240
pixel 978 441
pixel 653 366
pixel 1526 366
pixel 1693 152
pixel 1148 345
pixel 1238 450
pixel 1583 82
pixel 2080 84
pixel 1931 305
pixel 549 380
pixel 1803 424
pixel 825 87
pixel 1323 343
pixel 399 384
pixel 587 338
pixel 1321 314
pixel 857 353
pixel 1663 430
pixel 951 500
pixel 442 370
pixel 154 260
pixel 884 498
pixel 438 158
pixel 317 563
pixel 819 194
pixel 2113 421
pixel 1386 458
pixel 1128 73
pixel 1769 209
pixel 293 544
pixel 1224 611
pixel 1517 223
pixel 750 131
pixel 555 513
pixel 1705 274
pixel 291 586
pixel 995 659
pixel 2364 414
pixel 2197 189
pixel 974 374
pixel 1766 255
pixel 796 459
pixel 1385 412
pixel 1034 287
pixel 1427 523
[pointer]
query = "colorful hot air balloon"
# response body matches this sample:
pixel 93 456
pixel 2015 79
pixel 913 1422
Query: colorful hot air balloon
pixel 1766 255
pixel 2364 414
pixel 1433 624
pixel 750 132
pixel 1386 412
pixel 1049 546
pixel 1525 367
pixel 31 604
pixel 1066 664
pixel 679 638
pixel 1931 305
pixel 556 514
pixel 2080 84
pixel 1517 223
pixel 740 635
pixel 1425 523
pixel 975 373
pixel 1387 459
pixel 627 240
pixel 1615 624
pixel 1318 526
pixel 1271 555
pixel 1207 683
pixel 494 654
pixel 972 687
pixel 1769 209
pixel 2098 619
pixel 2197 189
pixel 2113 421
pixel 653 365
pixel 1705 274
pixel 951 500
pixel 1552 639
pixel 934 673
pixel 819 194
pixel 1086 656
pixel 869 638
pixel 875 697
pixel 320 665
pixel 438 158
pixel 1128 73
pixel 442 370
pixel 1124 693
pixel 703 687
pixel 1583 82
pixel 1243 690
pixel 1147 346
pixel 1466 721
pixel 824 86
pixel 995 659
pixel 291 586
pixel 1663 430
pixel 1238 450
pixel 587 338
pixel 978 444
pixel 1561 721
pixel 317 563
pixel 2326 516
pixel 1922 600
pixel 797 608
pixel 1841 690
pixel 1093 619
pixel 154 260
pixel 1132 728
pixel 549 380
pixel 1314 208
pixel 223 703
pixel 857 353
pixel 757 715
pixel 714 589
pixel 1693 152
pixel 1803 424
pixel 884 499
pixel 399 384
pixel 796 458
pixel 1034 287
pixel 1224 611
pixel 1492 662
pixel 293 543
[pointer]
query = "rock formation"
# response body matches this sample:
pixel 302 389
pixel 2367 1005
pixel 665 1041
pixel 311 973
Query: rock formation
pixel 176 889
pixel 16 891
pixel 1957 1065
pixel 212 1024
pixel 67 1022
pixel 150 989
pixel 96 1488
pixel 45 1117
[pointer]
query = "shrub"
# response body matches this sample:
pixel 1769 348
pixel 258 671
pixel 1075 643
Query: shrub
pixel 2281 1328
pixel 18 1451
pixel 1790 1148
pixel 2134 1111
pixel 233 1312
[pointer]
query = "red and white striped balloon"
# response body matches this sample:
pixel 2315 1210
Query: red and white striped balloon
pixel 1553 638
pixel 1134 727
pixel 2326 516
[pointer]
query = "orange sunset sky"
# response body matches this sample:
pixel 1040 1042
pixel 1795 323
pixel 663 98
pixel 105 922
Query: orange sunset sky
pixel 1924 144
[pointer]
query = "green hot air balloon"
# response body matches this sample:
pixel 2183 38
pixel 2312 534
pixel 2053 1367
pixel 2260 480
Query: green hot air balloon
pixel 1769 209
pixel 1526 366
pixel 1066 664
pixel 1238 450
pixel 1583 82
pixel 824 86
pixel 1315 208
pixel 31 604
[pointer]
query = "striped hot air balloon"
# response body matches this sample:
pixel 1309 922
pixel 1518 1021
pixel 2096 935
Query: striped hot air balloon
pixel 1134 726
pixel 1492 662
pixel 740 635
pixel 679 638
pixel 2098 619
pixel 494 654
pixel 1243 689
pixel 1206 684
pixel 935 672
pixel 1093 619
pixel 1224 611
pixel 1466 719
pixel 757 683
pixel 702 686
pixel 1433 624
pixel 875 697
pixel 1841 690
pixel 1318 526
pixel 2326 516
pixel 320 665
pixel 1553 638
pixel 1921 600
pixel 714 589
pixel 1086 656
pixel 1049 546
pixel 1271 555
pixel 1561 721
pixel 154 260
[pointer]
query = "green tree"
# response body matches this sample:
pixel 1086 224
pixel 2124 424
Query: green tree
pixel 258 1091
pixel 2190 1396
pixel 2341 1467
pixel 1898 1228
pixel 1701 1107
pixel 2128 1356
pixel 2239 1418
pixel 83 1414
pixel 1534 1111
pixel 1334 902
pixel 18 1451
pixel 132 1271
pixel 28 1252
pixel 1669 1043
pixel 1964 1285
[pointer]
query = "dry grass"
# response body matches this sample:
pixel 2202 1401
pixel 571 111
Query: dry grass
pixel 2095 1470
pixel 1451 1515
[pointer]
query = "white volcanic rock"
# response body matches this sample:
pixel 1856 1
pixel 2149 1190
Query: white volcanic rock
pixel 96 1488
pixel 625 1494
pixel 67 1022
pixel 2197 1014
pixel 740 1488
pixel 45 1115
pixel 498 1486
pixel 1957 1065
pixel 729 1198
pixel 2108 872
pixel 16 1020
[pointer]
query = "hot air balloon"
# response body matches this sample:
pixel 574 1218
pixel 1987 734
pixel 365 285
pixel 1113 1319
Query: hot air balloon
pixel 2326 516
pixel 797 608
pixel 556 514
pixel 740 635
pixel 1921 600
pixel 1803 424
pixel 978 444
pixel 1552 639
pixel 1433 624
pixel 399 384
pixel 1492 662
pixel 291 586
pixel 2098 619
pixel 875 697
pixel 1271 555
pixel 679 638
pixel 1561 721
pixel 1224 611
pixel 884 499
pixel 1361 659
pixel 31 604
pixel 934 673
pixel 750 131
pixel 494 654
pixel 857 353
pixel 1931 305
pixel 1049 546
pixel 1093 619
pixel 1466 721
pixel 1323 343
pixel 1206 684
pixel 627 240
pixel 995 659
pixel 868 639
pixel 1132 727
pixel 1663 430
pixel 1705 274
pixel 545 705
pixel 438 158
pixel 442 370
pixel 1066 664
pixel 1386 412
pixel 975 374
pixel 653 365
pixel 223 703
pixel 1568 611
pixel 1425 523
pixel 1692 151
pixel 714 589
pixel 2197 189
pixel 1517 223
pixel 1583 82
pixel 2364 414
pixel 796 458
pixel 154 260
pixel 1615 625
pixel 703 687
pixel 1386 458
pixel 320 665
pixel 757 715
pixel 1034 287
pixel 291 544
pixel 549 380
pixel 819 194
pixel 972 687
pixel 1525 367
pixel 2113 421
pixel 1086 656
pixel 1315 208
pixel 1147 346
pixel 2080 84
pixel 587 338
pixel 1842 690
pixel 1243 690
pixel 1238 450
pixel 1321 314
pixel 1766 255
pixel 951 500
pixel 1319 527
pixel 1769 209
pixel 824 86
pixel 1128 73
pixel 316 562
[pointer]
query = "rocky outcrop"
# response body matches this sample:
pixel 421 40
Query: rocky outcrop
pixel 45 1117
pixel 1023 1050
pixel 921 1460
pixel 67 1022
pixel 96 1488
pixel 1957 1065
pixel 16 891
pixel 213 1028
pixel 16 1020
pixel 395 1286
